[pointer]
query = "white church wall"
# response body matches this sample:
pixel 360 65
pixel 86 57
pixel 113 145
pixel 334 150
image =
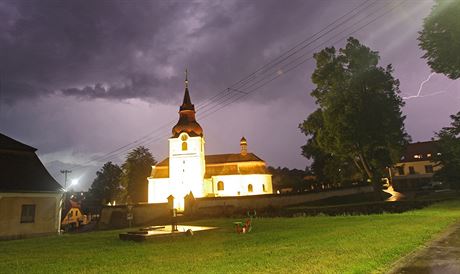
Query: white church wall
pixel 159 190
pixel 209 190
pixel 238 185
pixel 186 170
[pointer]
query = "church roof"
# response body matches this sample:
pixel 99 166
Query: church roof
pixel 221 164
pixel 217 170
pixel 22 170
pixel 222 159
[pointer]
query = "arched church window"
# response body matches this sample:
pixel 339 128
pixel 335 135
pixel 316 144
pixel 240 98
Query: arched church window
pixel 249 188
pixel 184 146
pixel 220 185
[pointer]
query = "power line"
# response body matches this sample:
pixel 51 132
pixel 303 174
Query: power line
pixel 289 53
pixel 221 100
pixel 236 97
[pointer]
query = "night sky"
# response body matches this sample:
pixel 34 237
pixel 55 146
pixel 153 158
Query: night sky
pixel 80 79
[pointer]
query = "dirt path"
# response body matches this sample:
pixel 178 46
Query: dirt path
pixel 440 256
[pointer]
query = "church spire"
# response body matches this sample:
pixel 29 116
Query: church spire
pixel 186 79
pixel 187 102
pixel 187 122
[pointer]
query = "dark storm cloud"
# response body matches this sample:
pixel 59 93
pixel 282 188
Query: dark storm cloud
pixel 50 45
pixel 124 49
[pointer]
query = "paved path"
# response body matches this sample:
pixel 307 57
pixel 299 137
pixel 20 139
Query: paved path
pixel 440 256
pixel 395 196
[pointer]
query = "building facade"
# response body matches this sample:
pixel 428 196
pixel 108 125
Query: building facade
pixel 416 168
pixel 188 169
pixel 30 199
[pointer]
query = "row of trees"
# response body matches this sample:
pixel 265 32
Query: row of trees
pixel 357 130
pixel 123 184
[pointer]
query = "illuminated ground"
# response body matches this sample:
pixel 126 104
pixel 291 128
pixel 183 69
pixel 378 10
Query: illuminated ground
pixel 323 244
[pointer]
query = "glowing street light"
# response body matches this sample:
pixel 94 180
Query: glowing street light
pixel 74 182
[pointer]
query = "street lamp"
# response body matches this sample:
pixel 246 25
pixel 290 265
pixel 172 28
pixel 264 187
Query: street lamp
pixel 74 182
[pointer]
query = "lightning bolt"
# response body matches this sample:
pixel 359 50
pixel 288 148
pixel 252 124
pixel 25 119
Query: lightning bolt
pixel 421 87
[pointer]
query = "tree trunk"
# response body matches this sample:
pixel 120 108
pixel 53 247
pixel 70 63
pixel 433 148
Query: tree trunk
pixel 365 166
pixel 375 178
pixel 360 168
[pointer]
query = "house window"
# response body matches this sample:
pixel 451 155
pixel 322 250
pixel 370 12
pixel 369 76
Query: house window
pixel 220 185
pixel 411 170
pixel 184 146
pixel 249 188
pixel 429 169
pixel 28 214
pixel 400 170
pixel 264 189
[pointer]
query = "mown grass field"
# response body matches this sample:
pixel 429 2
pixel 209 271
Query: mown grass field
pixel 344 244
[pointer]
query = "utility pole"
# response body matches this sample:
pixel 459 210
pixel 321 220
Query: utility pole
pixel 65 172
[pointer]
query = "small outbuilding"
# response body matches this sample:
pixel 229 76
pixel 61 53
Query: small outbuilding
pixel 30 198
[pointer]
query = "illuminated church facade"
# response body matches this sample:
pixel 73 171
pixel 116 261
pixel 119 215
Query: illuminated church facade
pixel 189 169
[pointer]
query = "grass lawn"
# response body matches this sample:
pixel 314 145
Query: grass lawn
pixel 343 244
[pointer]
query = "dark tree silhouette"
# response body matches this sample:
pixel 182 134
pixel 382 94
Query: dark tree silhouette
pixel 440 38
pixel 136 169
pixel 359 118
pixel 449 153
pixel 106 187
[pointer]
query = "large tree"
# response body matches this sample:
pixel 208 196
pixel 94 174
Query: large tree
pixel 136 168
pixel 106 187
pixel 449 153
pixel 359 118
pixel 327 167
pixel 440 38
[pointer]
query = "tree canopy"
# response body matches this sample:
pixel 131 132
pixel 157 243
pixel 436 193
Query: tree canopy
pixel 440 38
pixel 359 119
pixel 284 178
pixel 136 169
pixel 106 187
pixel 449 153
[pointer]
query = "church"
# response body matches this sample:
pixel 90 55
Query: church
pixel 189 169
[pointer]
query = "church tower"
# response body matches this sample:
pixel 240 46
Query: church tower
pixel 186 153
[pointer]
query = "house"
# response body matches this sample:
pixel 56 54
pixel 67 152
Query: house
pixel 416 169
pixel 189 169
pixel 30 199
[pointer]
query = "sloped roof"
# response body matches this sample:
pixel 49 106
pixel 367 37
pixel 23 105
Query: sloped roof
pixel 425 151
pixel 8 143
pixel 220 164
pixel 222 159
pixel 217 170
pixel 22 170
